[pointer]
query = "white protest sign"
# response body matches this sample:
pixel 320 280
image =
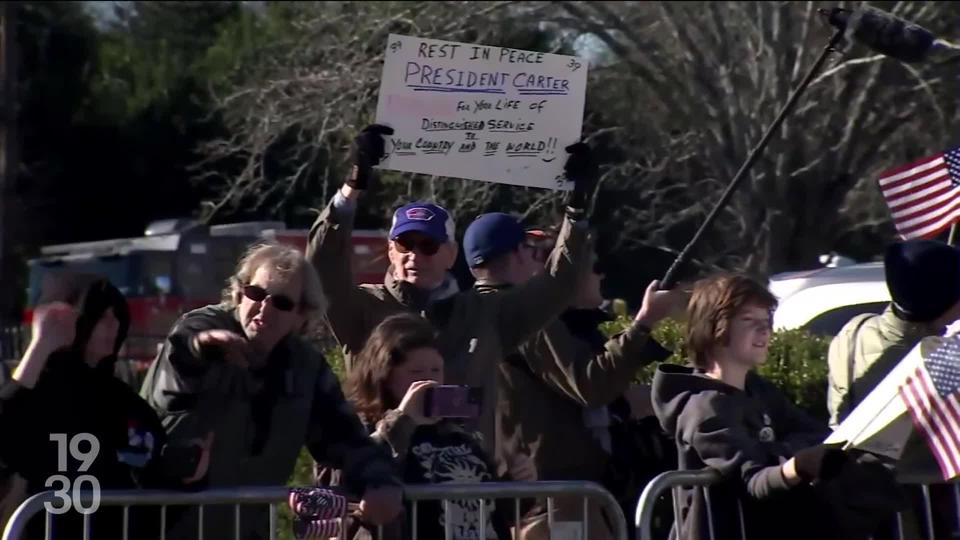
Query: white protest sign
pixel 478 112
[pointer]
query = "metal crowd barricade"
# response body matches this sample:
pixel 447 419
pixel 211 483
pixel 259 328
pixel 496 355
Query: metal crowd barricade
pixel 672 481
pixel 703 479
pixel 272 495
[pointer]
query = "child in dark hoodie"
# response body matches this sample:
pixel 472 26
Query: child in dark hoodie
pixel 725 417
pixel 65 384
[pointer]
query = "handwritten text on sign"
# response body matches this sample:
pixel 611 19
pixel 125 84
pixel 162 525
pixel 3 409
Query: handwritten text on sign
pixel 483 113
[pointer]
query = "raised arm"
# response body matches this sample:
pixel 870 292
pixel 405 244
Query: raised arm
pixel 329 246
pixel 595 378
pixel 528 308
pixel 53 329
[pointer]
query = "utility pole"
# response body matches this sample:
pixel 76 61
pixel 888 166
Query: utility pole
pixel 8 148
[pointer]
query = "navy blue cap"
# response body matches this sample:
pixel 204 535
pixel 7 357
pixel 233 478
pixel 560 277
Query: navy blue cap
pixel 490 236
pixel 923 277
pixel 427 218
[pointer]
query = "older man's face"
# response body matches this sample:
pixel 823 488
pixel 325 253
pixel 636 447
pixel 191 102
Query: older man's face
pixel 269 319
pixel 420 260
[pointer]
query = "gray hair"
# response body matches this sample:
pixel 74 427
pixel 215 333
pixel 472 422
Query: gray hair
pixel 287 261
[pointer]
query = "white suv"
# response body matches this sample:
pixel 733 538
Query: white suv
pixel 823 300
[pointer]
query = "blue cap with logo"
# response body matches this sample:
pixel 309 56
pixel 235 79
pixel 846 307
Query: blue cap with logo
pixel 491 235
pixel 425 218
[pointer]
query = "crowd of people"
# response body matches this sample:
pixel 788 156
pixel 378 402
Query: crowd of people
pixel 239 388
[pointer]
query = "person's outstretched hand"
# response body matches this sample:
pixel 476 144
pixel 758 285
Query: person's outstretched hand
pixel 581 168
pixel 369 149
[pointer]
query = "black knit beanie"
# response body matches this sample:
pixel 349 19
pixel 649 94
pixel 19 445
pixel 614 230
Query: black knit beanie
pixel 923 277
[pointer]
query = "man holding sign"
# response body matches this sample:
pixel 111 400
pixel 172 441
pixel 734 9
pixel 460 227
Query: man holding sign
pixel 476 330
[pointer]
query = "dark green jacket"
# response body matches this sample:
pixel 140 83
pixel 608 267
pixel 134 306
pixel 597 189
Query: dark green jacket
pixel 260 421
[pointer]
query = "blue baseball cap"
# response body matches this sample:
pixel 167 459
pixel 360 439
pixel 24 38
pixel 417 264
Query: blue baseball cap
pixel 490 236
pixel 422 217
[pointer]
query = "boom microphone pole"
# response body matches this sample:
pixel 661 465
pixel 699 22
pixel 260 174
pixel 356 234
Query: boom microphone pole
pixel 670 277
pixel 877 29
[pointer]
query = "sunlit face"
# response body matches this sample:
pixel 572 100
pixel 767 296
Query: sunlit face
pixel 423 364
pixel 749 335
pixel 420 260
pixel 103 339
pixel 263 322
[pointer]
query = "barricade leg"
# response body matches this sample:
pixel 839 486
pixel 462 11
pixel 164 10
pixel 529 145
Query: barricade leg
pixel 568 517
pixel 483 518
pixel 928 511
pixel 956 509
pixel 273 522
pixel 447 525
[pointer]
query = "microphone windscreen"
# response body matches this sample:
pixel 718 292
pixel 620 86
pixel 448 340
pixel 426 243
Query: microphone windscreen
pixel 890 35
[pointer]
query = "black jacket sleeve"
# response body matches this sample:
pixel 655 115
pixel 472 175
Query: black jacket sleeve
pixel 337 438
pixel 18 442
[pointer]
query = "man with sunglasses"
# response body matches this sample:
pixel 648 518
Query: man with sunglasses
pixel 245 371
pixel 476 331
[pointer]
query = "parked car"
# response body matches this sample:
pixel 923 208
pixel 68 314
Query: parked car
pixel 823 300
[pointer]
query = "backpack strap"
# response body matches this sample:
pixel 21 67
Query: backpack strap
pixel 852 357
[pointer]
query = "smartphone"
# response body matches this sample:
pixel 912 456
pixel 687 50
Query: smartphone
pixel 451 401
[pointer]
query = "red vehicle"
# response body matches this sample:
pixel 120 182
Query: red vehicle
pixel 175 267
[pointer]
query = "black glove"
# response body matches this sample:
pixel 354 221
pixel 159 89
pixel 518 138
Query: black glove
pixel 368 149
pixel 583 171
pixel 821 462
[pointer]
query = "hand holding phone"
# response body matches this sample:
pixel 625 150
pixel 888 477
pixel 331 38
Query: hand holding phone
pixel 450 401
pixel 413 405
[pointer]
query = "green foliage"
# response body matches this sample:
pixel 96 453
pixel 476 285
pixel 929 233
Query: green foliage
pixel 797 364
pixel 334 357
pixel 797 361
pixel 158 49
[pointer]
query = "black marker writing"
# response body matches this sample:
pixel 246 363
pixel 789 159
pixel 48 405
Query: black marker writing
pixel 480 53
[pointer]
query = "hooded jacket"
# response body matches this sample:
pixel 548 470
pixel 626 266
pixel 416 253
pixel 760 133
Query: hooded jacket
pixel 73 398
pixel 745 435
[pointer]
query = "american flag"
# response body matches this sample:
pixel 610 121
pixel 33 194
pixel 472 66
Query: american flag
pixel 924 197
pixel 930 395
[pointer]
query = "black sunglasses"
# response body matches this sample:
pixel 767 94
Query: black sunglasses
pixel 427 246
pixel 259 294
